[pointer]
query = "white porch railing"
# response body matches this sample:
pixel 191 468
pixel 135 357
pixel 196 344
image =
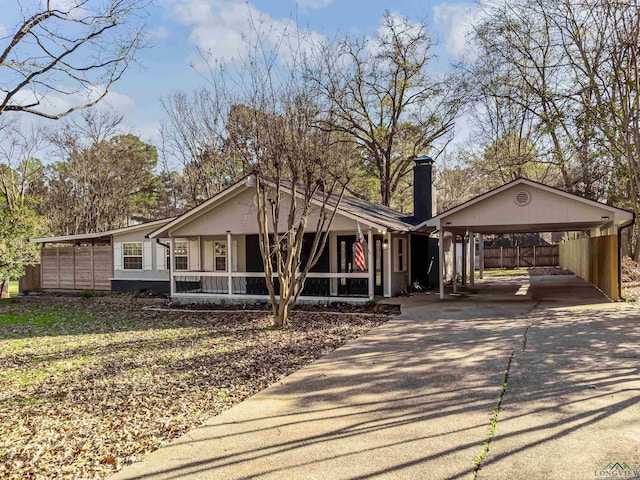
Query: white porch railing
pixel 253 284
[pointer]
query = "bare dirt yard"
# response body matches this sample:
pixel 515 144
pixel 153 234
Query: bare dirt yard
pixel 88 385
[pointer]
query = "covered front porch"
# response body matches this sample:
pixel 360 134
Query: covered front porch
pixel 230 268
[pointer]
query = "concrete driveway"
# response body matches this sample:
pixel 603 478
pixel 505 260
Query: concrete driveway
pixel 556 369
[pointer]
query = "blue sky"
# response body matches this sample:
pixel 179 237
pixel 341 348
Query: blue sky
pixel 178 27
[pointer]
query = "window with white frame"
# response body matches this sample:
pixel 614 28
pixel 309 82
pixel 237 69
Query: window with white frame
pixel 401 255
pixel 132 256
pixel 220 256
pixel 181 255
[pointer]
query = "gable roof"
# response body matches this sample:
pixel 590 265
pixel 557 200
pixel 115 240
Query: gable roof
pixel 435 221
pixel 369 213
pixel 96 235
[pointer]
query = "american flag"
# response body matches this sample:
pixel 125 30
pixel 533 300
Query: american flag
pixel 360 262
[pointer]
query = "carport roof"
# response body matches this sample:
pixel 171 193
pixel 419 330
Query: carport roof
pixel 106 235
pixel 524 206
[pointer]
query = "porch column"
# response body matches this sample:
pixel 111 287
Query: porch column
pixel 441 258
pixel 172 249
pixel 481 248
pixel 454 244
pixel 472 258
pixel 370 265
pixel 389 263
pixel 229 264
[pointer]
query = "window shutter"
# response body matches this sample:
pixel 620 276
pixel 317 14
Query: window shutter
pixel 117 255
pixel 208 255
pixel 194 255
pixel 147 255
pixel 161 258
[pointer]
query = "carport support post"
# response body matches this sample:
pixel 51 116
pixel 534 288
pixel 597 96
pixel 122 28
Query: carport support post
pixel 465 259
pixel 454 244
pixel 472 258
pixel 481 248
pixel 441 258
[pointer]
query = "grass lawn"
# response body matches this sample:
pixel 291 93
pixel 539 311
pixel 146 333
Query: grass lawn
pixel 88 385
pixel 13 288
pixel 505 272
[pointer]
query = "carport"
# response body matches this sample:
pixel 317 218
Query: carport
pixel 524 206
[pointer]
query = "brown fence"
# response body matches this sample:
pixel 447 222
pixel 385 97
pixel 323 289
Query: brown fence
pixel 595 260
pixel 30 281
pixel 87 267
pixel 514 257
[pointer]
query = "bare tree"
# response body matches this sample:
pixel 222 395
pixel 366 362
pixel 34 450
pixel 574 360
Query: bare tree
pixel 75 49
pixel 603 46
pixel 300 170
pixel 194 133
pixel 21 174
pixel 380 93
pixel 104 178
pixel 523 65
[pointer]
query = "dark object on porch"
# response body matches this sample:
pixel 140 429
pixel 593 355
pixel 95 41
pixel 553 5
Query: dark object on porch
pixel 424 261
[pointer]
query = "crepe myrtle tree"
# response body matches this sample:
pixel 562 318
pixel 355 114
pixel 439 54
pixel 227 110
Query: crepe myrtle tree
pixel 286 210
pixel 299 171
pixel 299 174
pixel 62 56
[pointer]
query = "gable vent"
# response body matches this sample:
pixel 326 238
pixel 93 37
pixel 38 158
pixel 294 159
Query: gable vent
pixel 522 198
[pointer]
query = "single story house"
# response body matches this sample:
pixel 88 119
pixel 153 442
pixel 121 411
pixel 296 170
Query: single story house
pixel 215 254
pixel 211 252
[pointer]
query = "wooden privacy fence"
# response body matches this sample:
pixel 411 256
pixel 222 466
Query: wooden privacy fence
pixel 514 257
pixel 88 267
pixel 594 259
pixel 30 281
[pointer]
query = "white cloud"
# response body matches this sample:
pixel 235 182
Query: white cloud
pixel 75 8
pixel 224 29
pixel 3 31
pixel 55 103
pixel 315 4
pixel 454 21
pixel 148 132
pixel 160 33
pixel 120 102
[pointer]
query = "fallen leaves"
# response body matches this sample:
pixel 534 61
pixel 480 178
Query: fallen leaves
pixel 90 385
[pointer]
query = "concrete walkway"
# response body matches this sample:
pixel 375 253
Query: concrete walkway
pixel 415 397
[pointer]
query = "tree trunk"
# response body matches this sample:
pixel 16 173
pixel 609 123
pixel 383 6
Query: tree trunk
pixel 281 318
pixel 4 288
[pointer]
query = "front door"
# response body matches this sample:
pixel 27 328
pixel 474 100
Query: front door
pixel 346 264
